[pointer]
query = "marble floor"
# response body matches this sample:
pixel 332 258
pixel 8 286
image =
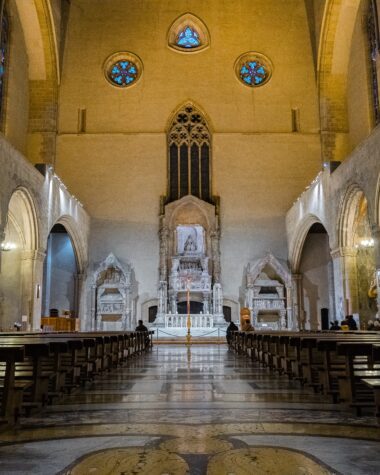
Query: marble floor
pixel 195 411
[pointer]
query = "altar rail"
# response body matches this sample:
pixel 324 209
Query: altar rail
pixel 178 320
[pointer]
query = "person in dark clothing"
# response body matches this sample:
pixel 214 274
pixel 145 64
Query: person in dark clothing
pixel 231 328
pixel 141 327
pixel 334 325
pixel 351 322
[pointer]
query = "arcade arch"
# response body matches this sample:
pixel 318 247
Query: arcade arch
pixel 20 291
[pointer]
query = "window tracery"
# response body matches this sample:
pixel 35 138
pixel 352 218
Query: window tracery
pixel 188 38
pixel 4 41
pixel 189 144
pixel 374 44
pixel 123 69
pixel 188 34
pixel 253 69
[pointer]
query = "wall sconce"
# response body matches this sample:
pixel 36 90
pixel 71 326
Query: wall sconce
pixel 7 246
pixel 366 243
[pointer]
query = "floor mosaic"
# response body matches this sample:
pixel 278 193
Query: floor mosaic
pixel 198 411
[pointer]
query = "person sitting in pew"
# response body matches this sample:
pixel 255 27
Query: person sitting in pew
pixel 351 322
pixel 334 326
pixel 141 327
pixel 231 328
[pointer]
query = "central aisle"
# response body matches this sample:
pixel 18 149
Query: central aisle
pixel 201 410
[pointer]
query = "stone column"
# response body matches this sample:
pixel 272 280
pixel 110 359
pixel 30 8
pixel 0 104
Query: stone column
pixel 376 237
pixel 215 249
pixel 298 313
pixel 32 263
pixel 163 236
pixel 2 238
pixel 291 323
pixel 78 291
pixel 345 281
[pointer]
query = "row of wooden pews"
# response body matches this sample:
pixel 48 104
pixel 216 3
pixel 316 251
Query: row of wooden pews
pixel 343 366
pixel 35 368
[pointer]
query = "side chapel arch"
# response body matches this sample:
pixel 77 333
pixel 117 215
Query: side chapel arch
pixel 357 253
pixel 113 296
pixel 20 264
pixel 270 295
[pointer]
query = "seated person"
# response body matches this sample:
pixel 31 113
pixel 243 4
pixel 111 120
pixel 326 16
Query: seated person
pixel 351 322
pixel 334 325
pixel 141 327
pixel 230 329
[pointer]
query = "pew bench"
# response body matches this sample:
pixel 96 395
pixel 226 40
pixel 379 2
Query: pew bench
pixel 374 384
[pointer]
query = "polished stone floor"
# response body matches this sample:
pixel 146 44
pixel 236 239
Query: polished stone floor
pixel 195 411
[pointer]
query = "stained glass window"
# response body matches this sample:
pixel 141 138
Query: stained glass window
pixel 189 156
pixel 123 69
pixel 188 38
pixel 253 69
pixel 253 73
pixel 3 56
pixel 123 73
pixel 373 35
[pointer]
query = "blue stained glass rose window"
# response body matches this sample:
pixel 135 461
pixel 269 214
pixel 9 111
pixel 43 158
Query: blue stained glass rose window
pixel 188 38
pixel 253 69
pixel 254 73
pixel 123 73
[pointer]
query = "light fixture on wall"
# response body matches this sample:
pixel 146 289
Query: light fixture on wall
pixel 7 246
pixel 366 243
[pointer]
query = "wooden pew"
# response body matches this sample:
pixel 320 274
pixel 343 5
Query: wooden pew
pixel 10 389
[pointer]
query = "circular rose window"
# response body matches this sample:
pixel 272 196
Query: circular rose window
pixel 123 69
pixel 253 69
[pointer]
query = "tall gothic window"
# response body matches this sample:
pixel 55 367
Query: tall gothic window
pixel 4 39
pixel 189 144
pixel 374 48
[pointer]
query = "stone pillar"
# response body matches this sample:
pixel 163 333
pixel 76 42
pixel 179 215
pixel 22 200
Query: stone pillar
pixel 345 281
pixel 78 291
pixel 291 323
pixel 163 236
pixel 298 305
pixel 32 263
pixel 376 237
pixel 215 250
pixel 2 238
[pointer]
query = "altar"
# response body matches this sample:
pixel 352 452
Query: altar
pixel 189 266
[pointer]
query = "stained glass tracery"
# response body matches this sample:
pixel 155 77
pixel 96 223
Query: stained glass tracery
pixel 188 37
pixel 189 155
pixel 3 56
pixel 123 73
pixel 253 69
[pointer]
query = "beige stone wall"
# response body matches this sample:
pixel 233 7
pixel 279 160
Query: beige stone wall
pixel 359 100
pixel 17 84
pixel 118 168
